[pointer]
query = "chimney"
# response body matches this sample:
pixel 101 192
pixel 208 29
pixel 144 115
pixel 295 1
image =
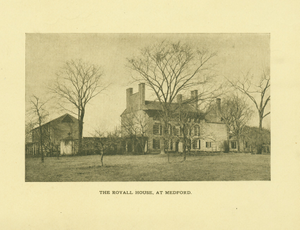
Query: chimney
pixel 142 94
pixel 194 98
pixel 179 98
pixel 128 95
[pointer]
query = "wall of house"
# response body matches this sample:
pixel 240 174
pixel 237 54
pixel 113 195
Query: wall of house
pixel 61 130
pixel 234 147
pixel 150 134
pixel 215 133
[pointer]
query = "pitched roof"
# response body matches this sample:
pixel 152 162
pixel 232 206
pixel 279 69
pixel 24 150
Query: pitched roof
pixel 65 116
pixel 153 108
pixel 155 105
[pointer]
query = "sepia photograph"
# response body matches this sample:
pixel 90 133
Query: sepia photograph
pixel 150 115
pixel 147 107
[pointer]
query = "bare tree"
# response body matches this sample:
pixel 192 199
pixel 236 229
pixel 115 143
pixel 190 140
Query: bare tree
pixel 188 117
pixel 185 135
pixel 39 115
pixel 78 83
pixel 258 93
pixel 135 126
pixel 235 113
pixel 170 68
pixel 106 141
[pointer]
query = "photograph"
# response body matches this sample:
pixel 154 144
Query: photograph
pixel 127 107
pixel 150 115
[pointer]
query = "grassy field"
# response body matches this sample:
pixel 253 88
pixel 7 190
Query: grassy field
pixel 218 167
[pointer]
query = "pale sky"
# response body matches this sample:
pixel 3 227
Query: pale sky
pixel 46 53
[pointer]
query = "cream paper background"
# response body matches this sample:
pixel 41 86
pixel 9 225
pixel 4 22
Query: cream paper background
pixel 213 205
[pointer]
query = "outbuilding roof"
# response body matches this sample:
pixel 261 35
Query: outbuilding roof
pixel 66 116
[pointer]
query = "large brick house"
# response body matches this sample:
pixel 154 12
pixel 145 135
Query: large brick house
pixel 59 136
pixel 141 120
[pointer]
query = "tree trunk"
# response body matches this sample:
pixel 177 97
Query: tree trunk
pixel 80 131
pixel 259 145
pixel 162 146
pixel 133 146
pixel 184 151
pixel 41 143
pixel 238 143
pixel 162 142
pixel 102 153
pixel 80 139
pixel 182 129
pixel 260 121
pixel 144 145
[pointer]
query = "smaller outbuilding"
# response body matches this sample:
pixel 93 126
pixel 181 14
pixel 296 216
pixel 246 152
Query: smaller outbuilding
pixel 58 137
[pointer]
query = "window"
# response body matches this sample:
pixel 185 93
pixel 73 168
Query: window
pixel 156 144
pixel 208 144
pixel 180 132
pixel 157 129
pixel 233 144
pixel 168 129
pixel 175 130
pixel 169 145
pixel 196 130
pixel 196 144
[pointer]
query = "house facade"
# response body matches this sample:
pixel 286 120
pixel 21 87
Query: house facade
pixel 141 125
pixel 58 136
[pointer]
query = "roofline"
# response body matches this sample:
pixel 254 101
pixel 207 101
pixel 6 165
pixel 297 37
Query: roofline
pixel 55 119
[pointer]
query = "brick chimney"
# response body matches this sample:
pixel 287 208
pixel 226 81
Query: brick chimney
pixel 142 95
pixel 128 95
pixel 194 98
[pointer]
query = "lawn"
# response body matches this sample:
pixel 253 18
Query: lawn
pixel 217 167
